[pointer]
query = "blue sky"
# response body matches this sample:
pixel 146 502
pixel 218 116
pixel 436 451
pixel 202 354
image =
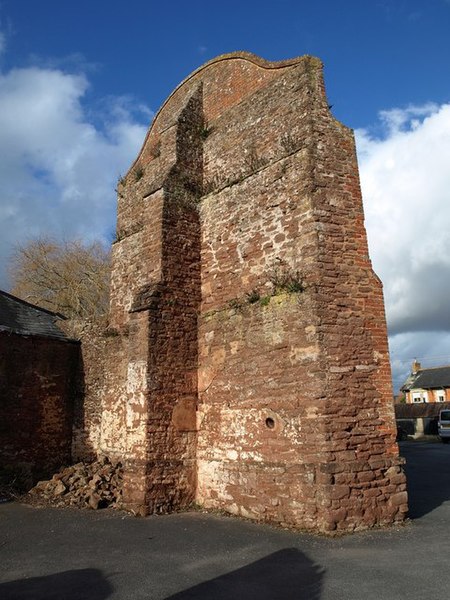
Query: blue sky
pixel 377 53
pixel 79 82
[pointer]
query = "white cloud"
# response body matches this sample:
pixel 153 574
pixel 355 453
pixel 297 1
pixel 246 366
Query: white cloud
pixel 405 179
pixel 59 167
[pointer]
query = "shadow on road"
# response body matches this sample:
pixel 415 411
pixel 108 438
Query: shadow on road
pixel 80 584
pixel 428 476
pixel 287 574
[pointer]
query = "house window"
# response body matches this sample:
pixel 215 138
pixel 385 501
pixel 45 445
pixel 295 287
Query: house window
pixel 440 396
pixel 419 397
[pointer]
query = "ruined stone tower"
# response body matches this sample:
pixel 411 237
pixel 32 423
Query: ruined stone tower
pixel 249 366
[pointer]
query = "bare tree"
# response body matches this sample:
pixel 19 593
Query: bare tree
pixel 69 277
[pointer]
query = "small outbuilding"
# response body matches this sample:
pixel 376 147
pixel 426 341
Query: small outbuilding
pixel 38 384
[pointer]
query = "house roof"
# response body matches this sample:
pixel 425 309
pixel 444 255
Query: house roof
pixel 23 318
pixel 428 379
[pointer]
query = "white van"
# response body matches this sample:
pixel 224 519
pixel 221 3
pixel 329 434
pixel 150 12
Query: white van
pixel 444 425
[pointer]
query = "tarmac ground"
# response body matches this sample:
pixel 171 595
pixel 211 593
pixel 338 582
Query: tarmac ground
pixel 68 554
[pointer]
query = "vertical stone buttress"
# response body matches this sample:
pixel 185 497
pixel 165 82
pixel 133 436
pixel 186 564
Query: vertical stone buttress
pixel 159 328
pixel 244 305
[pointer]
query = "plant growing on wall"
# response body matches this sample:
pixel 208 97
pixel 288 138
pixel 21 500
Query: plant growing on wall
pixel 138 173
pixel 204 130
pixel 254 161
pixel 253 296
pixel 285 278
pixel 289 143
pixel 156 150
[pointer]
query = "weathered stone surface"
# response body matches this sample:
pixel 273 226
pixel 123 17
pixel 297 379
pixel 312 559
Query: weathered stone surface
pixel 247 363
pixel 90 387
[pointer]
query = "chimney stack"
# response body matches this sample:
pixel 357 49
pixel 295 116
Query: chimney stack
pixel 415 366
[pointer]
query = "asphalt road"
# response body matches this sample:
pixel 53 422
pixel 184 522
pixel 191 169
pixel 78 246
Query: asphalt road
pixel 63 554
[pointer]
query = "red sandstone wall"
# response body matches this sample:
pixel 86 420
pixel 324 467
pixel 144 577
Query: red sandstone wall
pixel 316 362
pixel 246 197
pixel 151 393
pixel 37 382
pixel 89 387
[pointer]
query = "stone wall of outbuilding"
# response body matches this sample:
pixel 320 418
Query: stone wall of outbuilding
pixel 38 387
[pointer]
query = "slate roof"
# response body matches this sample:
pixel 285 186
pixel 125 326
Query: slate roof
pixel 428 379
pixel 18 316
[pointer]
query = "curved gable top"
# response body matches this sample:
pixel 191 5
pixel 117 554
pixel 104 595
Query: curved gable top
pixel 226 80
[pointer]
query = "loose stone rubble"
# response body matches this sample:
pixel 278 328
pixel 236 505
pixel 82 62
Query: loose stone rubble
pixel 85 485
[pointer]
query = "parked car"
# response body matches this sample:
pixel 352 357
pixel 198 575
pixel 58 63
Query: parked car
pixel 444 426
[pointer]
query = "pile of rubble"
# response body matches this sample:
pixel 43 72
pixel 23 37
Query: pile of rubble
pixel 93 485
